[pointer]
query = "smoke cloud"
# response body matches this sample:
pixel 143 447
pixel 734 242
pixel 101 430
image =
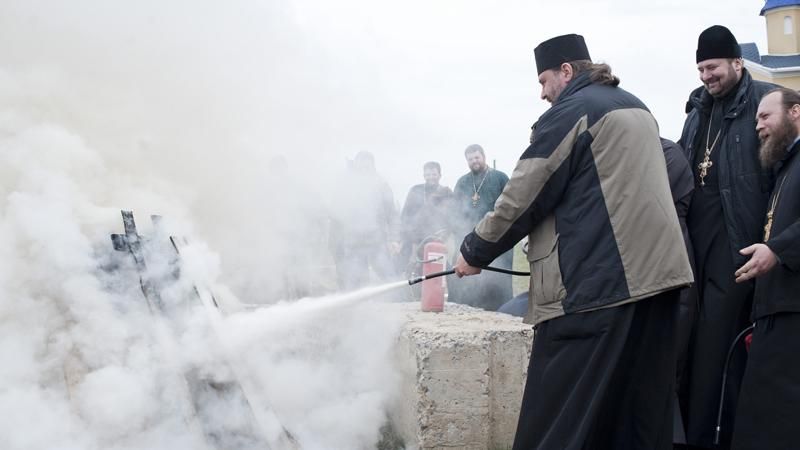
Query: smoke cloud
pixel 181 110
pixel 235 122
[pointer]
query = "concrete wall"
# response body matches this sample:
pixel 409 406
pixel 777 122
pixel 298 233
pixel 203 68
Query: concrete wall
pixel 463 373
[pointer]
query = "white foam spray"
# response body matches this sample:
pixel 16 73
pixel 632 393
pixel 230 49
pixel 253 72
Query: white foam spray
pixel 154 109
pixel 313 305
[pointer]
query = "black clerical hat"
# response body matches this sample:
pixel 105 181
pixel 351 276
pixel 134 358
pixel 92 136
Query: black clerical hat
pixel 560 49
pixel 717 42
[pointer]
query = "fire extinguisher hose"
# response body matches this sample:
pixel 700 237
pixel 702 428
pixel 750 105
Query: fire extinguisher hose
pixel 736 340
pixel 506 271
pixel 422 278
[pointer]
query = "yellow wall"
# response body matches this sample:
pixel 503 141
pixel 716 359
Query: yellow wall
pixel 779 43
pixel 789 82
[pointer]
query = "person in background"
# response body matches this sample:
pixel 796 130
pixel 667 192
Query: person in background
pixel 769 403
pixel 726 214
pixel 475 195
pixel 425 214
pixel 681 185
pixel 363 225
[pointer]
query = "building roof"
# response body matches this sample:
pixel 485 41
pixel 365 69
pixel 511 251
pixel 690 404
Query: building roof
pixel 772 4
pixel 750 52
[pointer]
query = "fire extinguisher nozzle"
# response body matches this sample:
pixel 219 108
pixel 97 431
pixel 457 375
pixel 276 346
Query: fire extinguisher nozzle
pixel 422 278
pixel 416 280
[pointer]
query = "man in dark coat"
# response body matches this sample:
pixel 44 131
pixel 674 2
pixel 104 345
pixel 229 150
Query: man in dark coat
pixel 681 185
pixel 607 260
pixel 769 405
pixel 475 195
pixel 425 214
pixel 726 214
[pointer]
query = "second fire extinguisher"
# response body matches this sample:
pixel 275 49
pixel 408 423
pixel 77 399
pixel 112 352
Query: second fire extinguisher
pixel 433 290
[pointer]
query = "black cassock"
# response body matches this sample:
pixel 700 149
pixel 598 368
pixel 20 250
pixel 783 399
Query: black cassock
pixel 724 309
pixel 768 412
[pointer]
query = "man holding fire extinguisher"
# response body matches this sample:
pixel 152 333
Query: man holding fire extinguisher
pixel 607 261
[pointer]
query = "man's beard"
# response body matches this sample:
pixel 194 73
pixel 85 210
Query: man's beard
pixel 478 170
pixel 774 148
pixel 730 82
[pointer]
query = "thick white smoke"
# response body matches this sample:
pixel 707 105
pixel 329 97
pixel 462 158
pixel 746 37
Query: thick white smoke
pixel 184 109
pixel 166 109
pixel 86 365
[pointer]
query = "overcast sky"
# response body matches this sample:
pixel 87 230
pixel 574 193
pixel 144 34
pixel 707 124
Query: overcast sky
pixel 318 80
pixel 177 108
pixel 423 79
pixel 191 99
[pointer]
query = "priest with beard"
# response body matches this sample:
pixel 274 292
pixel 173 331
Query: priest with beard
pixel 475 195
pixel 769 403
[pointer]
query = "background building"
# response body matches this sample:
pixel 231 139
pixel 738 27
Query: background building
pixel 781 64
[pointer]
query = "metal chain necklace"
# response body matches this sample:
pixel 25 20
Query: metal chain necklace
pixel 707 163
pixel 477 189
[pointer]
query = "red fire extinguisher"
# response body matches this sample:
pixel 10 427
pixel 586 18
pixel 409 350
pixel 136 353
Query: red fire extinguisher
pixel 434 256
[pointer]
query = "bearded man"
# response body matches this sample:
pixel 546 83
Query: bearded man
pixel 769 405
pixel 726 214
pixel 607 261
pixel 475 195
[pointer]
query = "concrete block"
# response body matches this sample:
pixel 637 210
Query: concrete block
pixel 463 372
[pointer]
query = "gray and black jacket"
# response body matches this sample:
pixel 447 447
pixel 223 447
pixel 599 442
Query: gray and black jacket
pixel 744 186
pixel 592 193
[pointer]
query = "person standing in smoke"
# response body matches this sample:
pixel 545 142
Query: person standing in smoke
pixel 475 195
pixel 607 261
pixel 425 213
pixel 363 225
pixel 769 405
pixel 726 215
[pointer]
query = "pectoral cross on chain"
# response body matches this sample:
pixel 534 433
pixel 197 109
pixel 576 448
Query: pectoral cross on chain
pixel 707 163
pixel 704 166
pixel 768 226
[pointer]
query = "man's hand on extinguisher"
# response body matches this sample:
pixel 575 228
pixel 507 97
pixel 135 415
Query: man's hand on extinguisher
pixel 462 268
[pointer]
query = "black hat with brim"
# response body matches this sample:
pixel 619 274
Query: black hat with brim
pixel 717 42
pixel 560 49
